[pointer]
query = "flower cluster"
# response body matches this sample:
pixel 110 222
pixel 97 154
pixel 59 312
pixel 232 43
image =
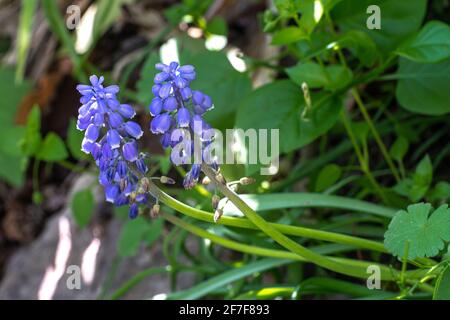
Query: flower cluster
pixel 110 137
pixel 178 115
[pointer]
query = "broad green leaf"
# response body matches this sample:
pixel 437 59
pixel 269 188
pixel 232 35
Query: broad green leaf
pixel 52 148
pixel 24 33
pixel 442 288
pixel 11 137
pixel 424 233
pixel 423 88
pixel 154 231
pixel 331 77
pixel 288 35
pixel 11 158
pixel 399 148
pixel 32 139
pixel 134 232
pixel 145 83
pixel 226 278
pixel 217 78
pixel 361 45
pixel 399 19
pixel 74 139
pixel 11 95
pixel 279 105
pixel 82 206
pixel 431 44
pixel 328 176
pixel 311 13
pixel 217 26
pixel 11 169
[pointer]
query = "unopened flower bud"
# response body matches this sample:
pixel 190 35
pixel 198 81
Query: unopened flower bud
pixel 167 180
pixel 246 181
pixel 215 201
pixel 220 178
pixel 217 215
pixel 145 183
pixel 206 181
pixel 155 211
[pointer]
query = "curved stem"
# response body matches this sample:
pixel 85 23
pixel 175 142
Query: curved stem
pixel 280 238
pixel 386 272
pixel 247 224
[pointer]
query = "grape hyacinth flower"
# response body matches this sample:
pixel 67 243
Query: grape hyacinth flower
pixel 178 115
pixel 110 136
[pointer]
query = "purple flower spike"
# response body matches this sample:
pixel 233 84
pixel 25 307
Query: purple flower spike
pixel 130 151
pixel 133 129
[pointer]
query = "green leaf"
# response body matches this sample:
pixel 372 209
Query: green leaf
pixel 52 148
pixel 423 88
pixel 11 94
pixel 399 19
pixel 288 35
pixel 82 206
pixel 11 137
pixel 431 44
pixel 442 288
pixel 217 26
pixel 225 278
pixel 328 176
pixel 440 192
pixel 24 33
pixel 11 158
pixel 134 232
pixel 145 83
pixel 32 139
pixel 425 233
pixel 422 179
pixel 107 12
pixel 399 148
pixel 74 139
pixel 279 105
pixel 58 26
pixel 274 201
pixel 217 78
pixel 361 45
pixel 331 77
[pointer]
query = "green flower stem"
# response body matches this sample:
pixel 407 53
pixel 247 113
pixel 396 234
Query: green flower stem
pixel 280 238
pixel 362 161
pixel 247 224
pixel 387 273
pixel 375 134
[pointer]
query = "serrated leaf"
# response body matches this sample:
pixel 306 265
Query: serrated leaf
pixel 82 206
pixel 52 148
pixel 425 233
pixel 431 44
